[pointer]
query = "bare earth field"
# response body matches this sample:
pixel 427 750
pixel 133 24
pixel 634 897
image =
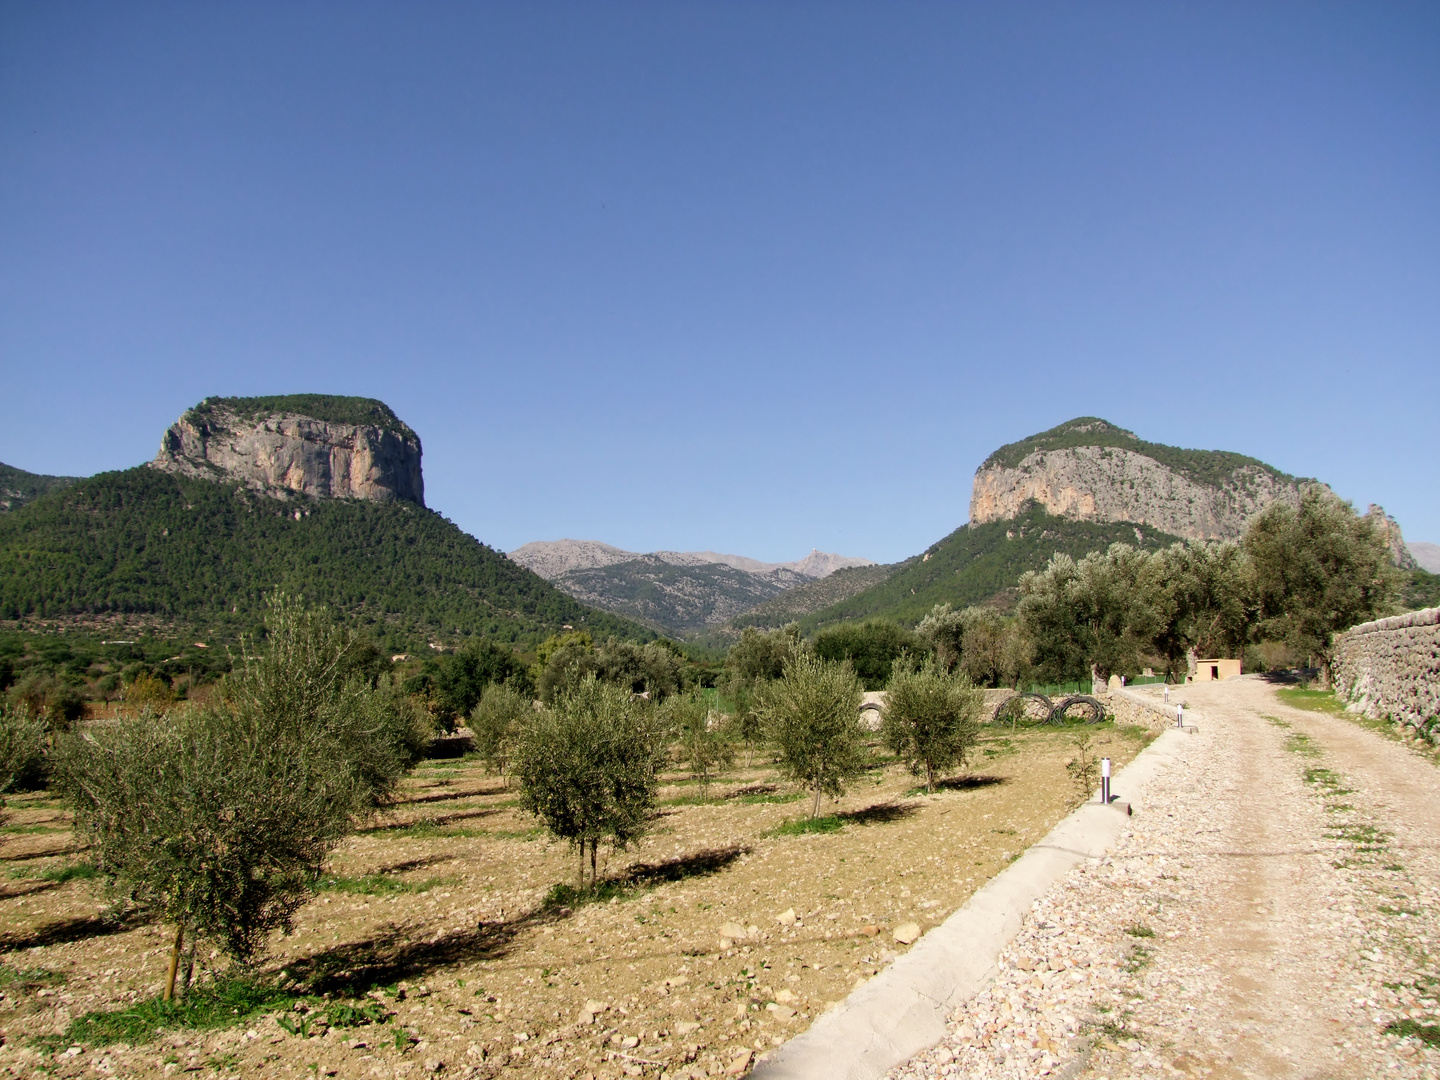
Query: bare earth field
pixel 438 915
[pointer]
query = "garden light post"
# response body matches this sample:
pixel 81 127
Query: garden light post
pixel 1105 781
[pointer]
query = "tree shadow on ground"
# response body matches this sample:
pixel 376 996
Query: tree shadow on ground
pixel 65 931
pixel 414 951
pixel 416 864
pixel 436 821
pixel 1290 676
pixel 408 952
pixel 879 814
pixel 698 864
pixel 970 781
pixel 442 796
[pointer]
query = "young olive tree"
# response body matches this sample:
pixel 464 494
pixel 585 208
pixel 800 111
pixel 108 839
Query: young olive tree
pixel 207 820
pixel 931 718
pixel 704 743
pixel 22 741
pixel 812 719
pixel 588 767
pixel 497 722
pixel 219 819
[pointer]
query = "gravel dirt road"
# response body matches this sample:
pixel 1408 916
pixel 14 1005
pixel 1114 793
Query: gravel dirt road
pixel 1271 913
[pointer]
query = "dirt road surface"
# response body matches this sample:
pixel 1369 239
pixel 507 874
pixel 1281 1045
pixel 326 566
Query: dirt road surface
pixel 1271 913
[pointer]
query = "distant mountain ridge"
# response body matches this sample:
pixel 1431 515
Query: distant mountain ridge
pixel 553 558
pixel 676 592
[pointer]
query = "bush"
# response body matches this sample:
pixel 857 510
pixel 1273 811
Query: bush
pixel 212 819
pixel 931 718
pixel 58 703
pixel 812 718
pixel 588 766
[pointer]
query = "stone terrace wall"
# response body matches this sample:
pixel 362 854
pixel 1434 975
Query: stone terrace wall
pixel 1390 669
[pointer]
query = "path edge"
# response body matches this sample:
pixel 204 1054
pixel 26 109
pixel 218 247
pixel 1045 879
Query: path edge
pixel 903 1010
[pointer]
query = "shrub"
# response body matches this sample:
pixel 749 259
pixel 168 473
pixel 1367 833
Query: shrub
pixel 931 718
pixel 56 702
pixel 812 718
pixel 587 767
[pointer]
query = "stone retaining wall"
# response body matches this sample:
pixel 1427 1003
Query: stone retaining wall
pixel 1389 669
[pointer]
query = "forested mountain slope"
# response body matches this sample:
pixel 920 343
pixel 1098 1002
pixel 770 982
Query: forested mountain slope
pixel 203 553
pixel 980 563
pixel 17 487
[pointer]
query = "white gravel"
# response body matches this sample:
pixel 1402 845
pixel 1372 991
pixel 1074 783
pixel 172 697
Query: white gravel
pixel 1250 922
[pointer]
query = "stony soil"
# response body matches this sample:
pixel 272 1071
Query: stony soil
pixel 486 978
pixel 1271 913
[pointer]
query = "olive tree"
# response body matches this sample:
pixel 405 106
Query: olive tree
pixel 1102 612
pixel 588 767
pixel 208 820
pixel 811 717
pixel 931 718
pixel 497 722
pixel 704 744
pixel 219 818
pixel 22 741
pixel 1318 568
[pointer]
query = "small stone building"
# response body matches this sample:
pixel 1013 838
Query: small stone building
pixel 1214 670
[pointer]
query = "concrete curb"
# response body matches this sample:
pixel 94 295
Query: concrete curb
pixel 904 1009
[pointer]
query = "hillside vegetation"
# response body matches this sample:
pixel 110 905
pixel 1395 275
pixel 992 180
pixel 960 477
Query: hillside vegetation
pixel 204 554
pixel 328 408
pixel 677 600
pixel 1209 467
pixel 813 596
pixel 975 564
pixel 17 487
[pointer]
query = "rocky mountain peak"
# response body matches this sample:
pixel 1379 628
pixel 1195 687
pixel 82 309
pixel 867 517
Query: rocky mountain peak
pixel 314 445
pixel 1089 469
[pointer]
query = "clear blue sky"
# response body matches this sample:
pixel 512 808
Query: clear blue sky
pixel 756 277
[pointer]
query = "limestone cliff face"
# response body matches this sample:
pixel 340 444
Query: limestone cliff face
pixel 285 452
pixel 1112 483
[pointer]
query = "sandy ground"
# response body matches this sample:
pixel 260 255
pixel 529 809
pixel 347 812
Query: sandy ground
pixel 485 978
pixel 1271 914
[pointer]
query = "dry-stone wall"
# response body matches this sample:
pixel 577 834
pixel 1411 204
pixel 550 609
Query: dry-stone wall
pixel 1390 669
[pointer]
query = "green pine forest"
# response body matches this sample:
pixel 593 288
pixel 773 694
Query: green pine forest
pixel 978 565
pixel 204 554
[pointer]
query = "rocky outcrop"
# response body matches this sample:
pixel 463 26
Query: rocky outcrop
pixel 285 453
pixel 1390 669
pixel 1389 530
pixel 1111 483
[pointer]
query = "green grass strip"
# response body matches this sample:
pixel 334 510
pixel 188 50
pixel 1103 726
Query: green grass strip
pixel 801 826
pixel 216 1005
